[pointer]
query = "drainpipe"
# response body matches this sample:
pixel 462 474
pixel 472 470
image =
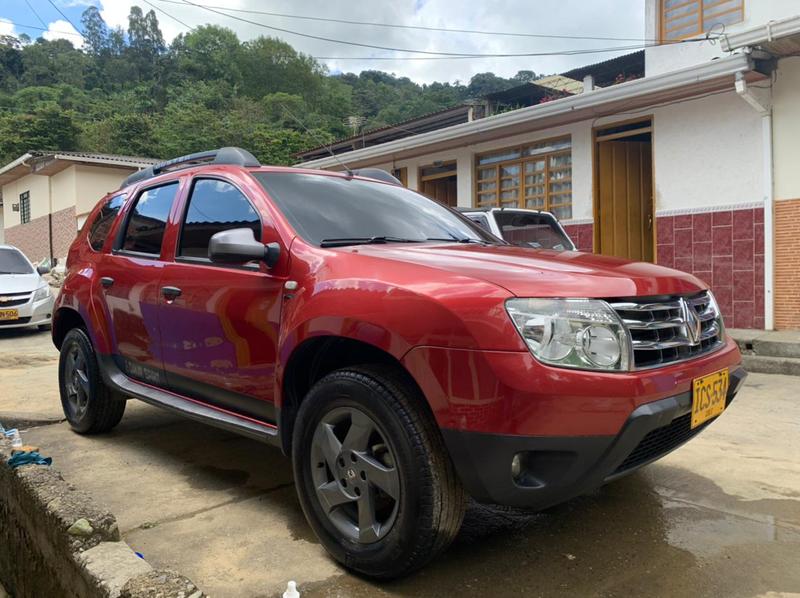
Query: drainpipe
pixel 761 101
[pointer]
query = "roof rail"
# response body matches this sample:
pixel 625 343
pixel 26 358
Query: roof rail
pixel 225 155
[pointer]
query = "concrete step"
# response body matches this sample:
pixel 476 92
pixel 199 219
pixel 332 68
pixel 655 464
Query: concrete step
pixel 767 343
pixel 763 364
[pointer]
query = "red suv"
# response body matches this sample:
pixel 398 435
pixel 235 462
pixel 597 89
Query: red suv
pixel 401 355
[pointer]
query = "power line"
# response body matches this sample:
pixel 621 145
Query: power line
pixel 4 20
pixel 53 4
pixel 174 18
pixel 36 14
pixel 530 54
pixel 387 48
pixel 423 28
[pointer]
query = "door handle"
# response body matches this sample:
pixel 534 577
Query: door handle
pixel 106 281
pixel 171 293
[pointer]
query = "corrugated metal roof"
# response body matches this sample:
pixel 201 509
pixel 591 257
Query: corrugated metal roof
pixel 405 126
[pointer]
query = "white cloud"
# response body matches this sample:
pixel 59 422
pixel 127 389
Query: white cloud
pixel 61 29
pixel 602 18
pixel 6 27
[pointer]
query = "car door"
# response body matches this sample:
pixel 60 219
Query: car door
pixel 220 327
pixel 129 280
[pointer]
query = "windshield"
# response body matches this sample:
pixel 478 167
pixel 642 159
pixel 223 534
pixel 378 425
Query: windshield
pixel 532 230
pixel 332 210
pixel 13 262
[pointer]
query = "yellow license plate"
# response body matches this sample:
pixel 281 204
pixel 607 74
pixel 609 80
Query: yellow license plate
pixel 9 314
pixel 708 397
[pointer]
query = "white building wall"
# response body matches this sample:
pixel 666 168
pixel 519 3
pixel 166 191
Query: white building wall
pixel 37 186
pixel 786 129
pixel 706 153
pixel 670 57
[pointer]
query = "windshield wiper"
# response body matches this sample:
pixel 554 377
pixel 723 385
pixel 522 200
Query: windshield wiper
pixel 344 241
pixel 457 240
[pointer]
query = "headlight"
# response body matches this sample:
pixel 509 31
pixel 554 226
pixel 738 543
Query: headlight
pixel 572 333
pixel 41 293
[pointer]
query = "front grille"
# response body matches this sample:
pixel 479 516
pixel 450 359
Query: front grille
pixel 14 299
pixel 673 329
pixel 660 441
pixel 13 322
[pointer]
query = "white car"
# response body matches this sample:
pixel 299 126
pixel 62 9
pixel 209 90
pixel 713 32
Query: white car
pixel 25 297
pixel 522 227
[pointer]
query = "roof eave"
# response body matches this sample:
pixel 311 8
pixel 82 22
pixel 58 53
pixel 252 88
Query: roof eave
pixel 763 34
pixel 659 87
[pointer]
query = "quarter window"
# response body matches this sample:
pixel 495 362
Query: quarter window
pixel 214 206
pixel 148 220
pixel 686 18
pixel 102 224
pixel 536 176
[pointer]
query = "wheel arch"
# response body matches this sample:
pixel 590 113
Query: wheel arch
pixel 64 320
pixel 316 357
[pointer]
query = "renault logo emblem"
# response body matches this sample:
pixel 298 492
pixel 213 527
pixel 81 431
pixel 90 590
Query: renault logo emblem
pixel 691 322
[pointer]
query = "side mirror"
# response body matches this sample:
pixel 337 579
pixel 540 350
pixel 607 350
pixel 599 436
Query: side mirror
pixel 43 269
pixel 239 246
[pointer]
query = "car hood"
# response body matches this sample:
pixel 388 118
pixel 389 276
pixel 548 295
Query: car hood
pixel 541 273
pixel 19 283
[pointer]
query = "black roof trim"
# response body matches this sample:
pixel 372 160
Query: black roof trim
pixel 235 156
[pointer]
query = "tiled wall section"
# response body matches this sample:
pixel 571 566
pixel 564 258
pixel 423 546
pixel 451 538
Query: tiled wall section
pixel 33 240
pixel 726 250
pixel 787 265
pixel 582 235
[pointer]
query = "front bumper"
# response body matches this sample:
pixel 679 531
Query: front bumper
pixel 30 313
pixel 557 468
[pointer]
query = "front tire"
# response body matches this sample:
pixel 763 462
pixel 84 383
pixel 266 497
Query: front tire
pixel 89 405
pixel 372 473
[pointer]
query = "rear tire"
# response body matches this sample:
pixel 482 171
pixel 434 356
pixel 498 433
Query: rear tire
pixel 363 435
pixel 89 405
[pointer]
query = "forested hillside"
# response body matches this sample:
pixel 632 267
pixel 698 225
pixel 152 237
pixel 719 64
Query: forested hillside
pixel 128 92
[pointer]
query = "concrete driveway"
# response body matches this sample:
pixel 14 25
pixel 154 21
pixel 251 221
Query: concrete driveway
pixel 720 516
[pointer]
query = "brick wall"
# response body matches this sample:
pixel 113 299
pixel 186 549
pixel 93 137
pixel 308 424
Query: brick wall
pixel 725 249
pixel 582 235
pixel 32 238
pixel 787 265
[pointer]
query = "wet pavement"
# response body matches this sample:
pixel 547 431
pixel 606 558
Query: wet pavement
pixel 718 517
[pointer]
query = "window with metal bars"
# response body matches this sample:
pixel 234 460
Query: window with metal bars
pixel 688 18
pixel 536 176
pixel 25 207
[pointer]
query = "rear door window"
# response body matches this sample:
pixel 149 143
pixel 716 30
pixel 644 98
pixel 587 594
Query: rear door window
pixel 148 220
pixel 105 218
pixel 214 206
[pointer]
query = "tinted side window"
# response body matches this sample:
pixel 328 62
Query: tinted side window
pixel 480 220
pixel 148 220
pixel 214 206
pixel 105 218
pixel 531 230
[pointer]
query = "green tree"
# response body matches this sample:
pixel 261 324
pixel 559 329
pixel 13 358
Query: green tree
pixel 48 129
pixel 209 53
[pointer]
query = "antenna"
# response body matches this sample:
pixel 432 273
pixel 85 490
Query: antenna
pixel 315 136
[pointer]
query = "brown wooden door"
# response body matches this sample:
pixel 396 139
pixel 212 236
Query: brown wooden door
pixel 443 190
pixel 625 199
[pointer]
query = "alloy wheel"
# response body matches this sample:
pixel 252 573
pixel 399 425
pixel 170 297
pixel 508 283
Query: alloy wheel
pixel 355 475
pixel 77 381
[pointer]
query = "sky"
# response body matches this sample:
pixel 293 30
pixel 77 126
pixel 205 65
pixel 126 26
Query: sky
pixel 595 18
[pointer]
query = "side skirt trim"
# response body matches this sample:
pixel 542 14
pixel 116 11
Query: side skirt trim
pixel 191 408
